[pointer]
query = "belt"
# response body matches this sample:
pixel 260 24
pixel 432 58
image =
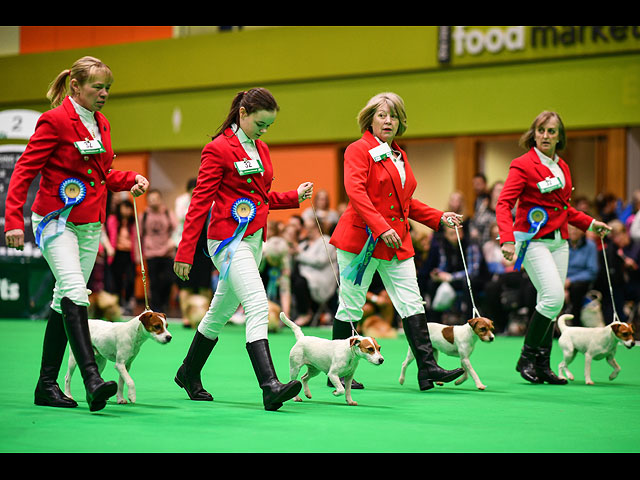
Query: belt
pixel 549 236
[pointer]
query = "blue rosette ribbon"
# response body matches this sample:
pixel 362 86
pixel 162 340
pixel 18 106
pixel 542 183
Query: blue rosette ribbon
pixel 537 218
pixel 355 270
pixel 72 192
pixel 243 211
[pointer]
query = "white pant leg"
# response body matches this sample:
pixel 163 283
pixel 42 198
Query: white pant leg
pixel 546 263
pixel 242 286
pixel 71 257
pixel 353 297
pixel 399 279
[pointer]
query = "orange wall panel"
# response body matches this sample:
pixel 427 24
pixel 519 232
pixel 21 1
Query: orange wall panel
pixel 293 165
pixel 38 38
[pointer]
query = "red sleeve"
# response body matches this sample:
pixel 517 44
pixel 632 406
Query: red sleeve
pixel 209 178
pixel 283 200
pixel 425 214
pixel 513 187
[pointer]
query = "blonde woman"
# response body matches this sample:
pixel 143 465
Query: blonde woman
pixel 373 232
pixel 71 149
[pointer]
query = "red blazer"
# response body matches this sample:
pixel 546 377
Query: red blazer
pixel 52 153
pixel 378 200
pixel 219 182
pixel 521 185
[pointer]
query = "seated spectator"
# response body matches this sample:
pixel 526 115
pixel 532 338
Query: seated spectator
pixel 485 215
pixel 582 272
pixel 451 270
pixel 623 259
pixel 275 270
pixel 314 279
pixel 327 217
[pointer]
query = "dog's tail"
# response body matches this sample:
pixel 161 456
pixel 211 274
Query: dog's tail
pixel 297 331
pixel 562 326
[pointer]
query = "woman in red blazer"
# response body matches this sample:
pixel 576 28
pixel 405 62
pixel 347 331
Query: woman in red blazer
pixel 71 149
pixel 373 232
pixel 540 182
pixel 234 183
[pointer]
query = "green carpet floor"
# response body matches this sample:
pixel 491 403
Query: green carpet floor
pixel 509 416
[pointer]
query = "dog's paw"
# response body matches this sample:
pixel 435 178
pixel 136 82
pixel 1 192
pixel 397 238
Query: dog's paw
pixel 297 399
pixel 589 382
pixel 353 403
pixel 401 380
pixel 613 375
pixel 122 401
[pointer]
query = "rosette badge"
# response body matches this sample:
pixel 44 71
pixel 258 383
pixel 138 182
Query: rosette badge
pixel 243 211
pixel 537 218
pixel 72 191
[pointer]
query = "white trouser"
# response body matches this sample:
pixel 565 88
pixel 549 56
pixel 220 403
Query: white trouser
pixel 398 277
pixel 71 257
pixel 546 263
pixel 243 285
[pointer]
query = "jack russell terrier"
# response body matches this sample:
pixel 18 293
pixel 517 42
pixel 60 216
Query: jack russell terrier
pixel 336 358
pixel 120 342
pixel 596 343
pixel 457 341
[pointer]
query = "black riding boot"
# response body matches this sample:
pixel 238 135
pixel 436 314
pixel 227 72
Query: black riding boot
pixel 341 331
pixel 274 393
pixel 76 324
pixel 538 333
pixel 417 333
pixel 527 364
pixel 543 360
pixel 48 392
pixel 188 376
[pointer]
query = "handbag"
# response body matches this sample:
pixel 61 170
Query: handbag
pixel 444 297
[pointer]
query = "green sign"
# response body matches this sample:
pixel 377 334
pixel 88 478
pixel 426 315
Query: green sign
pixel 458 45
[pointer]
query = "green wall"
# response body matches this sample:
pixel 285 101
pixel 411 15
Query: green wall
pixel 321 77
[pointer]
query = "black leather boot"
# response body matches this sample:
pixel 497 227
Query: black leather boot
pixel 417 333
pixel 543 360
pixel 188 376
pixel 76 324
pixel 340 331
pixel 48 392
pixel 543 368
pixel 527 364
pixel 274 393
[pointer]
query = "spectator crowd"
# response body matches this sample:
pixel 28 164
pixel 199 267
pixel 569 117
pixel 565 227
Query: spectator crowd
pixel 300 272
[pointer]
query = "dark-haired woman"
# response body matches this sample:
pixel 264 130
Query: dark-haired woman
pixel 540 182
pixel 236 175
pixel 71 149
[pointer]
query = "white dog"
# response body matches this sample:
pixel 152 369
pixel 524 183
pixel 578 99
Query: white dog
pixel 336 358
pixel 457 341
pixel 596 343
pixel 120 342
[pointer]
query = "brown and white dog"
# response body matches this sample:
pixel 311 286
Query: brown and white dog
pixel 457 341
pixel 120 342
pixel 336 358
pixel 596 343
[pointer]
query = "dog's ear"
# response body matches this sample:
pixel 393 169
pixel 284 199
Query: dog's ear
pixel 354 341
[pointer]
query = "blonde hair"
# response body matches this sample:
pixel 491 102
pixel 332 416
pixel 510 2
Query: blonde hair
pixel 396 104
pixel 528 139
pixel 83 70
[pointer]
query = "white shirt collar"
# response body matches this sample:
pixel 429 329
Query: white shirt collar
pixel 544 158
pixel 241 135
pixel 83 112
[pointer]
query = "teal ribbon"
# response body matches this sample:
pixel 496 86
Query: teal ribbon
pixel 72 191
pixel 537 218
pixel 243 211
pixel 355 270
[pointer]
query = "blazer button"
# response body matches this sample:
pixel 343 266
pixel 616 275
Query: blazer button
pixel 92 184
pixel 86 158
pixel 102 182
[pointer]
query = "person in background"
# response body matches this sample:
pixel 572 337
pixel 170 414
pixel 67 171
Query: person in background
pixel 236 176
pixel 156 229
pixel 582 271
pixel 121 229
pixel 71 149
pixel 327 217
pixel 540 182
pixel 372 234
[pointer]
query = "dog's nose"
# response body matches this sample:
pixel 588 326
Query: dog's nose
pixel 381 361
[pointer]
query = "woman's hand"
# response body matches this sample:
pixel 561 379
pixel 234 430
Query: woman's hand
pixel 601 228
pixel 141 186
pixel 182 270
pixel 305 190
pixel 15 239
pixel 391 239
pixel 452 219
pixel 508 250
